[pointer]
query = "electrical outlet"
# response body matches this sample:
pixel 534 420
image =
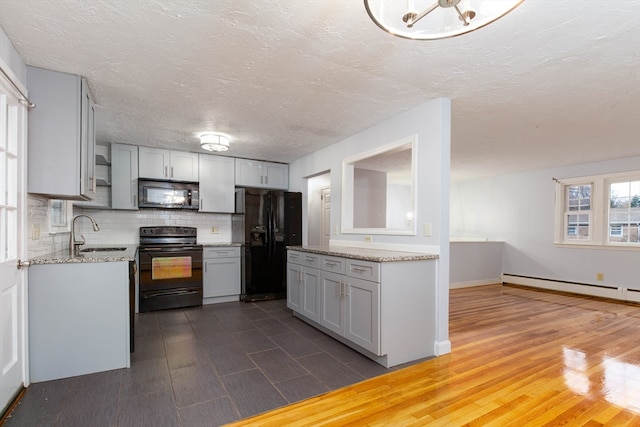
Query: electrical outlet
pixel 600 277
pixel 427 229
pixel 335 230
pixel 368 239
pixel 35 231
pixel 215 230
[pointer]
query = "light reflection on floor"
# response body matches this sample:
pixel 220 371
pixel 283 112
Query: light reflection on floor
pixel 621 384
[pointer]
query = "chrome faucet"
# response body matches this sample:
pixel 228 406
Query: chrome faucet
pixel 74 245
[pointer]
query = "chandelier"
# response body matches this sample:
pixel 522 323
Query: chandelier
pixel 436 19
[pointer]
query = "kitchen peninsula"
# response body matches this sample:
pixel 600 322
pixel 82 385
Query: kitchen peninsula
pixel 80 312
pixel 379 302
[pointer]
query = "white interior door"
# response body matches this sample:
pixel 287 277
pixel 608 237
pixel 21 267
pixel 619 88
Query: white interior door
pixel 13 119
pixel 325 216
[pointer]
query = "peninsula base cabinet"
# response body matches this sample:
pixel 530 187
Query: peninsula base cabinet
pixel 79 316
pixel 221 282
pixel 384 310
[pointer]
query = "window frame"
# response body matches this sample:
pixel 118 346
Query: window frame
pixel 599 230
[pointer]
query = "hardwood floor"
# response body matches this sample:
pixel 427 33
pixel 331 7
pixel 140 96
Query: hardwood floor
pixel 520 358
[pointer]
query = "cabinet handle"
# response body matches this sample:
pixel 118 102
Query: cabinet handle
pixel 205 267
pixel 171 171
pixel 358 270
pixel 309 259
pixel 330 263
pixel 300 278
pixel 266 179
pixel 261 179
pixel 166 171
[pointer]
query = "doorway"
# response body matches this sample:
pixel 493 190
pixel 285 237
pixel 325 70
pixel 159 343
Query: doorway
pixel 319 209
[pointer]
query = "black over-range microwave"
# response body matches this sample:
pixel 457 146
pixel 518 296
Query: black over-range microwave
pixel 168 194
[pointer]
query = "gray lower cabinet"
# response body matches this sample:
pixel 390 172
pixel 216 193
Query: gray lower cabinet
pixel 221 282
pixel 303 285
pixel 78 319
pixel 385 310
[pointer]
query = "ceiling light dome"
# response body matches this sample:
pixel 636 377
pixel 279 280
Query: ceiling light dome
pixel 213 141
pixel 436 19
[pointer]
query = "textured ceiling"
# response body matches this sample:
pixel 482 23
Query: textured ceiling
pixel 553 83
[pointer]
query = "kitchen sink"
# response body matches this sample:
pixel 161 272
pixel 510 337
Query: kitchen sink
pixel 102 249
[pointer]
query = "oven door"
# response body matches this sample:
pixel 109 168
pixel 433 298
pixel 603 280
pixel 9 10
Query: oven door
pixel 170 278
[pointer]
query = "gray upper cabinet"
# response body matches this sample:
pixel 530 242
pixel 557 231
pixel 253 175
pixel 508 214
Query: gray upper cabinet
pixel 157 163
pixel 217 188
pixel 124 176
pixel 254 173
pixel 61 142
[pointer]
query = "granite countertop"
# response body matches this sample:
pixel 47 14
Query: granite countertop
pixel 63 257
pixel 374 255
pixel 215 245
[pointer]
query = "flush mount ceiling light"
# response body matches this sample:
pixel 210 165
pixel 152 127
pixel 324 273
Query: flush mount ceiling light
pixel 214 141
pixel 436 19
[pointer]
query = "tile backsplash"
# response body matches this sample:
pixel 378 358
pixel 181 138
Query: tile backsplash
pixel 120 227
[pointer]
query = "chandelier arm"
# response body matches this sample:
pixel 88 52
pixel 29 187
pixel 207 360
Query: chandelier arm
pixel 423 14
pixel 463 18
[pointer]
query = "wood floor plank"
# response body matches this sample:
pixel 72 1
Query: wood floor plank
pixel 519 357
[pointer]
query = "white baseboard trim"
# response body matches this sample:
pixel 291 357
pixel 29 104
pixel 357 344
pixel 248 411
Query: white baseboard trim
pixel 474 283
pixel 603 291
pixel 442 347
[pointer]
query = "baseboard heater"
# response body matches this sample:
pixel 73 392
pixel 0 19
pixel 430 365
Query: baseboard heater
pixel 603 291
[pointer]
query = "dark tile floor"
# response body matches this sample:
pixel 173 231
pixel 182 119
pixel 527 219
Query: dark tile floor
pixel 202 367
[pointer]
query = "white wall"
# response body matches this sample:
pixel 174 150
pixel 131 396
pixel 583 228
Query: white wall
pixel 10 59
pixel 519 210
pixel 431 122
pixel 475 263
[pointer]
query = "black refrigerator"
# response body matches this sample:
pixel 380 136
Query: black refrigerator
pixel 266 222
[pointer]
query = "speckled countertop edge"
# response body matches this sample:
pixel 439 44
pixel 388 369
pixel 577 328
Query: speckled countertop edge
pixel 63 257
pixel 374 255
pixel 218 245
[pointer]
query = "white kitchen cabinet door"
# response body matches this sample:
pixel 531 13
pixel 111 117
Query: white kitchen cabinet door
pixel 217 184
pixel 276 175
pixel 294 287
pixel 254 173
pixel 124 176
pixel 158 163
pixel 249 173
pixel 310 301
pixel 183 166
pixel 65 115
pixel 221 277
pixel 153 163
pixel 332 315
pixel 362 325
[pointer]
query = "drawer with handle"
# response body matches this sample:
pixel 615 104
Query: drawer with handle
pixel 336 265
pixel 221 252
pixel 363 270
pixel 304 258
